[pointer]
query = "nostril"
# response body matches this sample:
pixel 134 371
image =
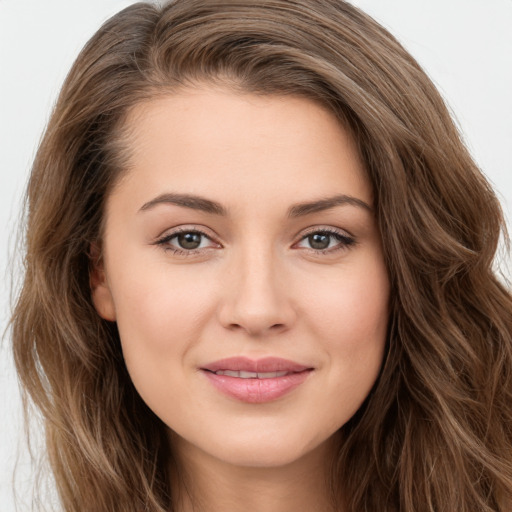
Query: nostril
pixel 256 329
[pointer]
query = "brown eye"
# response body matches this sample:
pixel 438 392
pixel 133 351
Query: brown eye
pixel 186 242
pixel 189 241
pixel 325 241
pixel 319 241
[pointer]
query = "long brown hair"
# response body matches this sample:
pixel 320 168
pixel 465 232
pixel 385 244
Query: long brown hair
pixel 435 434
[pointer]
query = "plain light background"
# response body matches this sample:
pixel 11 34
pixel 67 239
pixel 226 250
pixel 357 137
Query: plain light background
pixel 464 45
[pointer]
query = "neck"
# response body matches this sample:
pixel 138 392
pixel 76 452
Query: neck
pixel 202 483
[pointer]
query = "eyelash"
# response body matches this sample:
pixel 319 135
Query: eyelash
pixel 164 241
pixel 345 241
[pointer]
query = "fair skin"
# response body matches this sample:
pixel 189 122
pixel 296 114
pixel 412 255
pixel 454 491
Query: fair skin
pixel 218 244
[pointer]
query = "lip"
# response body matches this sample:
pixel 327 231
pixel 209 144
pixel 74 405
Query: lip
pixel 263 365
pixel 256 390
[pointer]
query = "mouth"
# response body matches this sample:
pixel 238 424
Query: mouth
pixel 251 375
pixel 256 381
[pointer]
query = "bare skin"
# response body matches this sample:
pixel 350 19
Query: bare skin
pixel 302 486
pixel 244 229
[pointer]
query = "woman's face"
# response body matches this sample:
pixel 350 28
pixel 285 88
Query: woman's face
pixel 243 266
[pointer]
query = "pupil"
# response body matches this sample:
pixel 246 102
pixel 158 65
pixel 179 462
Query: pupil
pixel 319 241
pixel 189 240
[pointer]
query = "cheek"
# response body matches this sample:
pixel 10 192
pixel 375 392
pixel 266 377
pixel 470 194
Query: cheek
pixel 160 316
pixel 349 315
pixel 159 301
pixel 351 306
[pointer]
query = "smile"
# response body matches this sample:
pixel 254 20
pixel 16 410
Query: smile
pixel 256 381
pixel 251 375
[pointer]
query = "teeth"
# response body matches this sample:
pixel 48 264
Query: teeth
pixel 251 375
pixel 247 375
pixel 271 375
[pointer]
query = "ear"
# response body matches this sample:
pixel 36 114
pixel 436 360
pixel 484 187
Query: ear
pixel 100 289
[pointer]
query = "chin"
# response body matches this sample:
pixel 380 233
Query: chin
pixel 263 450
pixel 261 457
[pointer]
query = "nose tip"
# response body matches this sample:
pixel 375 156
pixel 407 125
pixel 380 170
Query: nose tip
pixel 257 303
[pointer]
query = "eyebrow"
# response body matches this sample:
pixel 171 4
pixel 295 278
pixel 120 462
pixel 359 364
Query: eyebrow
pixel 321 205
pixel 187 201
pixel 298 210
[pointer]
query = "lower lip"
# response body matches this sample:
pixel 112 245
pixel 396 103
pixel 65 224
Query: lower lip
pixel 257 391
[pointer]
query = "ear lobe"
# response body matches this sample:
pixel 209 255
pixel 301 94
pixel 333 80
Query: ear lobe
pixel 100 289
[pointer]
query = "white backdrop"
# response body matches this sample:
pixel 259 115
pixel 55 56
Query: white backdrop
pixel 464 45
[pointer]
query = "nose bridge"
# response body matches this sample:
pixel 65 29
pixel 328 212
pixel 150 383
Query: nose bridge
pixel 256 299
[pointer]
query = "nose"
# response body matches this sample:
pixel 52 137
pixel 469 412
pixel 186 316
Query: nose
pixel 256 297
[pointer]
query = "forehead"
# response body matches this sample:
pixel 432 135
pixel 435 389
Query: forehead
pixel 233 146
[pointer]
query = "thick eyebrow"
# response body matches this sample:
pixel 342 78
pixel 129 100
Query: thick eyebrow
pixel 186 201
pixel 321 205
pixel 298 210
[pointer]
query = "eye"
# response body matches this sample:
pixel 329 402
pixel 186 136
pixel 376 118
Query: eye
pixel 186 241
pixel 189 241
pixel 326 240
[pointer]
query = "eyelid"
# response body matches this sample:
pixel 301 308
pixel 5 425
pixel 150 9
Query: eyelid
pixel 186 228
pixel 164 239
pixel 346 240
pixel 325 229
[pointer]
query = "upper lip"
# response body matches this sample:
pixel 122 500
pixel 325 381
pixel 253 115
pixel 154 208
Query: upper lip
pixel 264 365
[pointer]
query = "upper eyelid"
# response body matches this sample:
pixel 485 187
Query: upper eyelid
pixel 170 232
pixel 324 229
pixel 301 235
pixel 345 239
pixel 164 241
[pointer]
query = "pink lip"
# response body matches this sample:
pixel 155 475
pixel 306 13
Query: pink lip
pixel 256 390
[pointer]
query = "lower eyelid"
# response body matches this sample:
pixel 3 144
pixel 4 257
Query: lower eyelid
pixel 344 241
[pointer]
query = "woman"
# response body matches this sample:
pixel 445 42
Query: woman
pixel 258 273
